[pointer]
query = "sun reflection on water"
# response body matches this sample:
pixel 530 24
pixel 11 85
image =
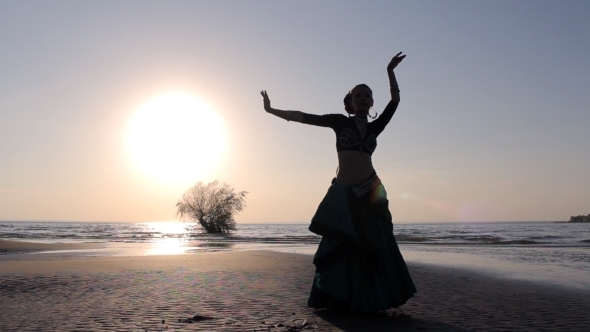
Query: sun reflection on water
pixel 168 238
pixel 168 228
pixel 174 238
pixel 167 247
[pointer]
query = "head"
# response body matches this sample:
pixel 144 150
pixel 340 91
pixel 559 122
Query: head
pixel 361 99
pixel 348 104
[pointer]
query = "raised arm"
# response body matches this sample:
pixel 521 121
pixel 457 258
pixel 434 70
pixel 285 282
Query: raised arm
pixel 393 86
pixel 287 115
pixel 382 121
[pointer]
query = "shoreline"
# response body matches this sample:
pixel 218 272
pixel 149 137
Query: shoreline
pixel 13 246
pixel 568 277
pixel 261 290
pixel 549 273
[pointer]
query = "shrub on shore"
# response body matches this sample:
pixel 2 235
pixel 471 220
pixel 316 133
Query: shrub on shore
pixel 212 205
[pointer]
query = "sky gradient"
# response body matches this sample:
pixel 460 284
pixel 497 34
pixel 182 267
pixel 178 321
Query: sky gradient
pixel 493 124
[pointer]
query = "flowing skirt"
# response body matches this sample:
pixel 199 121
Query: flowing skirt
pixel 358 263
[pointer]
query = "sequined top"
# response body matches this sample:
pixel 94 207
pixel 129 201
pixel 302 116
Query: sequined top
pixel 348 136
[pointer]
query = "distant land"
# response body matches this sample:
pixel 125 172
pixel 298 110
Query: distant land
pixel 580 218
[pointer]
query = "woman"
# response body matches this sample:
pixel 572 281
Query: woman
pixel 358 264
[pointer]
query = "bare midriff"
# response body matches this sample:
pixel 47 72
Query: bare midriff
pixel 355 167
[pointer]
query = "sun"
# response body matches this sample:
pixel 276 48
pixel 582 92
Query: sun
pixel 175 138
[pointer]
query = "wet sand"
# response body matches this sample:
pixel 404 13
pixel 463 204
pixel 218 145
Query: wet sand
pixel 258 291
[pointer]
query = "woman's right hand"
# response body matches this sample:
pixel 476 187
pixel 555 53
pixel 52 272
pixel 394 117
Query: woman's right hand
pixel 265 100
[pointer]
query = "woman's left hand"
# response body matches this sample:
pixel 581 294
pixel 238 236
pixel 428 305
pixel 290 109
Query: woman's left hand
pixel 395 61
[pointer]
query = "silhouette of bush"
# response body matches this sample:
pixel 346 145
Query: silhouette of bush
pixel 212 205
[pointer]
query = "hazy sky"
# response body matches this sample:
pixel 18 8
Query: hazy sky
pixel 493 124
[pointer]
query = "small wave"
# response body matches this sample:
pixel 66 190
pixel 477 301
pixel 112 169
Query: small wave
pixel 290 239
pixel 39 228
pixel 140 233
pixel 520 242
pixel 409 238
pixel 13 236
pixel 545 237
pixel 67 236
pixel 485 238
pixel 467 240
pixel 585 241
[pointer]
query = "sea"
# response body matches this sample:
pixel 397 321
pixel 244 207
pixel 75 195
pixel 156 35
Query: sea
pixel 552 252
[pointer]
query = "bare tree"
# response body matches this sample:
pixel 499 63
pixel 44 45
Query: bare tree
pixel 213 205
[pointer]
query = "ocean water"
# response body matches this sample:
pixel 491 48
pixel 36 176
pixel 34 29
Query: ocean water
pixel 558 253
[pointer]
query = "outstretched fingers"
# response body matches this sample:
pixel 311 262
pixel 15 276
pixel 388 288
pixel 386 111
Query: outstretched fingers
pixel 265 100
pixel 399 57
pixel 396 60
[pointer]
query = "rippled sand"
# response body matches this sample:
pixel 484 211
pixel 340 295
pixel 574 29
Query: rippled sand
pixel 258 291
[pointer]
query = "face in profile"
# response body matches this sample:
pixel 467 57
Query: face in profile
pixel 362 99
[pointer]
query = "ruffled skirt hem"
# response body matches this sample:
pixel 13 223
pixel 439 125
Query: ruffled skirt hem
pixel 359 266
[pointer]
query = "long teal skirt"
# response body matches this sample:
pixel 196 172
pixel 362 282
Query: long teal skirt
pixel 359 266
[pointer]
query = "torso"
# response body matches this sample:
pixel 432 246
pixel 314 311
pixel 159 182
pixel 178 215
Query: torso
pixel 355 142
pixel 354 167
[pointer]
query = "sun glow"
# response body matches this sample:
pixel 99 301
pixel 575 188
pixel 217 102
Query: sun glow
pixel 176 138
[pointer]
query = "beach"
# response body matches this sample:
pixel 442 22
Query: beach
pixel 256 291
